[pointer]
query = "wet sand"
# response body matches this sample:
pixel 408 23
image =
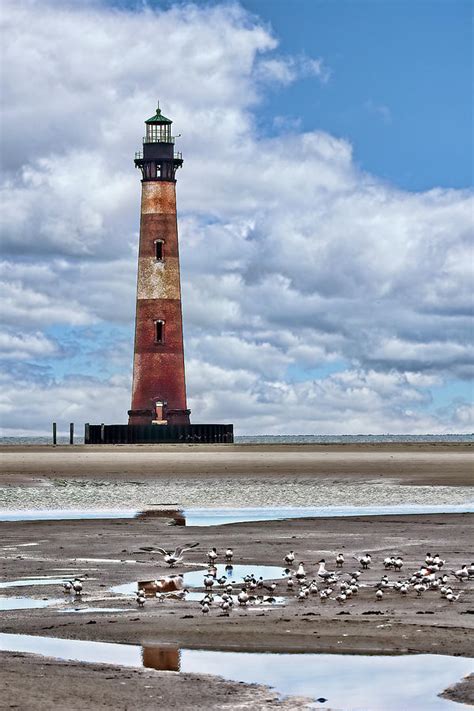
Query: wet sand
pixel 462 692
pixel 412 464
pixel 363 625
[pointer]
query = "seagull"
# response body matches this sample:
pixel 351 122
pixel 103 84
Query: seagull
pixel 420 589
pixel 290 583
pixel 141 599
pixel 364 560
pixel 471 570
pixel 176 556
pixel 67 587
pixel 77 586
pixel 451 597
pixel 290 558
pixel 229 554
pixel 300 573
pixel 340 560
pixel 323 573
pixel 212 555
pixel 437 560
pixel 208 582
pixel 462 574
pixel 243 597
pixel 205 608
pixel 225 606
pixel 379 594
pixel 398 563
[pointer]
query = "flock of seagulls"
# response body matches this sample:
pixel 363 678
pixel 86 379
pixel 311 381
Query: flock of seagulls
pixel 326 584
pixel 429 576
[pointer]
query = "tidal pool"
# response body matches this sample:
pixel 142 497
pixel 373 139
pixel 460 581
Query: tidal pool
pixel 356 682
pixel 224 515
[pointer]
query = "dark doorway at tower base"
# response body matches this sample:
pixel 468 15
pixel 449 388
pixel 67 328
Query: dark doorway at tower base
pixel 159 434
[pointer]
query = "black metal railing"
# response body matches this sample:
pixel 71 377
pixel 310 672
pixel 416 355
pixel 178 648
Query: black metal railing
pixel 177 155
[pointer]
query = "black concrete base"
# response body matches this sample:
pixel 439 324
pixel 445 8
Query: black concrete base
pixel 155 434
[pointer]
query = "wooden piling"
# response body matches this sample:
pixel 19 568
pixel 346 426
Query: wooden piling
pixel 71 433
pixel 54 433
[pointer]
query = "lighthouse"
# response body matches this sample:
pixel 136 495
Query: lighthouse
pixel 159 412
pixel 159 388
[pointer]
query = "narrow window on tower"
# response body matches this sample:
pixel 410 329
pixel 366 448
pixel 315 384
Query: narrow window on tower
pixel 159 250
pixel 159 331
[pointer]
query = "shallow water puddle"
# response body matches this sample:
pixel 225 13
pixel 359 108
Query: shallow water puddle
pixel 221 516
pixel 234 575
pixel 357 682
pixel 25 603
pixel 29 582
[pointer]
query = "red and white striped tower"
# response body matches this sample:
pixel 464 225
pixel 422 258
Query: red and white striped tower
pixel 159 390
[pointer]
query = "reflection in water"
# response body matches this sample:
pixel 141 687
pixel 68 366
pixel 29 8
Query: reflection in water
pixel 176 516
pixel 162 658
pixel 234 574
pixel 358 682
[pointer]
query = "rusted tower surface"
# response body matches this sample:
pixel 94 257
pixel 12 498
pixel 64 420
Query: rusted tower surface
pixel 159 390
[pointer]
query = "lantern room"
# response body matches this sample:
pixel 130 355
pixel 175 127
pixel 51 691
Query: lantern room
pixel 158 129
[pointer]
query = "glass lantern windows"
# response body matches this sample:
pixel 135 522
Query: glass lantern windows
pixel 158 133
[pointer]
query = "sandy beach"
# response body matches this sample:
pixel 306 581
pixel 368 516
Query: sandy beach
pixel 412 464
pixel 109 553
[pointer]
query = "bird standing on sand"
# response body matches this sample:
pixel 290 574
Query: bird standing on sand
pixel 229 554
pixel 340 560
pixel 290 558
pixel 242 597
pixel 323 573
pixel 212 555
pixel 67 587
pixel 300 573
pixel 462 574
pixel 172 558
pixel 364 560
pixel 77 586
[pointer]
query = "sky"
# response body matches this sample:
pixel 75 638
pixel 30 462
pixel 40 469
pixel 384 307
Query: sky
pixel 325 210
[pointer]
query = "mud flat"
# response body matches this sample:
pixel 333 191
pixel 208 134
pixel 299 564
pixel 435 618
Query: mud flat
pixel 108 552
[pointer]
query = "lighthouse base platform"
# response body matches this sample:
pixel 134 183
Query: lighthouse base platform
pixel 158 434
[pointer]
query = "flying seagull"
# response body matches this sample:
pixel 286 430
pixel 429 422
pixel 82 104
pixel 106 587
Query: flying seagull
pixel 176 556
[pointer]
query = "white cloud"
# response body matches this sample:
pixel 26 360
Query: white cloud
pixel 292 258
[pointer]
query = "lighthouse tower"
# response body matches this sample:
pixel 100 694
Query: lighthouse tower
pixel 159 390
